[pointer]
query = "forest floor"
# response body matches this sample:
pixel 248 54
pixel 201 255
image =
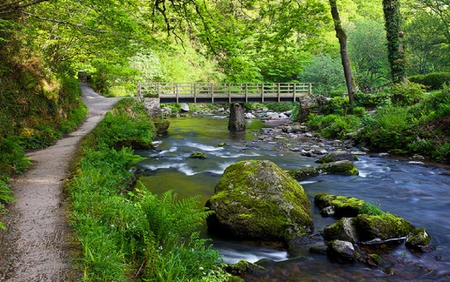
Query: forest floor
pixel 35 245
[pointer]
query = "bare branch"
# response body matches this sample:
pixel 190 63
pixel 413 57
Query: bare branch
pixel 18 5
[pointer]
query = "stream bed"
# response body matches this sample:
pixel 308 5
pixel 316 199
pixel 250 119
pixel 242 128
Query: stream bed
pixel 418 193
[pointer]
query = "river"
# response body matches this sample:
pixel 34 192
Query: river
pixel 418 193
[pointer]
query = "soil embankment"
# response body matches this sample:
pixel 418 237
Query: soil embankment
pixel 34 247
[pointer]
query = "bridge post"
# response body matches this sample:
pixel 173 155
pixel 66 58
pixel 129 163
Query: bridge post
pixel 236 120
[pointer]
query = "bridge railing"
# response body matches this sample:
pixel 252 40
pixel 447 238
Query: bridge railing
pixel 224 92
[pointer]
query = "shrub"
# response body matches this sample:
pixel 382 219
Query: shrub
pixel 334 126
pixel 372 100
pixel 337 105
pixel 407 94
pixel 432 81
pixel 280 107
pixel 389 129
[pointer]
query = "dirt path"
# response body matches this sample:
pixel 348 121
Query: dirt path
pixel 34 247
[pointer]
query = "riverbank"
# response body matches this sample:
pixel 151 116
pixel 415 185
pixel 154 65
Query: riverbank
pixel 34 247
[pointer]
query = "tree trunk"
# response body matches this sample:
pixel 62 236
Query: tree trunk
pixel 394 35
pixel 342 36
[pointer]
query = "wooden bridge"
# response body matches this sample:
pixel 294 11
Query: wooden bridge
pixel 223 92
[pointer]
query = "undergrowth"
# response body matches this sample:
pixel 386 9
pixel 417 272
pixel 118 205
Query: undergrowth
pixel 126 233
pixel 35 112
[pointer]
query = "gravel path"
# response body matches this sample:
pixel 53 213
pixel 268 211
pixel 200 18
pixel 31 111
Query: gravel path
pixel 35 247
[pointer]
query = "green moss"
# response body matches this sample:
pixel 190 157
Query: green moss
pixel 198 155
pixel 420 238
pixel 344 206
pixel 385 226
pixel 278 206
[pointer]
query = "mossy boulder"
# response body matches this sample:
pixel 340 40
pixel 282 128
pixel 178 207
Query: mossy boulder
pixel 380 228
pixel 369 229
pixel 343 206
pixel 162 125
pixel 198 155
pixel 337 156
pixel 257 200
pixel 344 167
pixel 343 229
pixel 419 240
pixel 222 144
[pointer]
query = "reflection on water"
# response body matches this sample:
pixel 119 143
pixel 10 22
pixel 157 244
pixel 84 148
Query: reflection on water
pixel 420 194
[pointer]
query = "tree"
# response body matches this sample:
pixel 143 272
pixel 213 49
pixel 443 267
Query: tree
pixel 394 36
pixel 325 73
pixel 428 47
pixel 342 36
pixel 367 48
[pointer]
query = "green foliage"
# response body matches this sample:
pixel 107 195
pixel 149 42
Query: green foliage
pixel 325 73
pixel 280 107
pixel 394 35
pixel 373 100
pixel 432 81
pixel 5 197
pixel 337 105
pixel 370 209
pixel 126 125
pixel 130 233
pixel 12 157
pixel 359 111
pixel 407 94
pixel 334 126
pixel 390 128
pixel 367 50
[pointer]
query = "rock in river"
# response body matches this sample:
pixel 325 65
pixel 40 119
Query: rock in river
pixel 257 200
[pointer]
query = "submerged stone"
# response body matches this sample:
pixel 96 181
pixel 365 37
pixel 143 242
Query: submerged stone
pixel 198 155
pixel 337 156
pixel 258 200
pixel 340 167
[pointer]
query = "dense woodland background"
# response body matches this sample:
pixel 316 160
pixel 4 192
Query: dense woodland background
pixel 398 57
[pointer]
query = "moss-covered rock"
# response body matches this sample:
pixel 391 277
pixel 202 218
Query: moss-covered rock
pixel 258 200
pixel 368 229
pixel 337 156
pixel 340 167
pixel 244 267
pixel 198 155
pixel 343 206
pixel 222 144
pixel 382 227
pixel 419 240
pixel 343 229
pixel 161 125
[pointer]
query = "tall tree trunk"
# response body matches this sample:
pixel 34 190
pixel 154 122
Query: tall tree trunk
pixel 342 36
pixel 394 35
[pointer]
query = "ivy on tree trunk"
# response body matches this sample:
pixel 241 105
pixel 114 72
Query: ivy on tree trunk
pixel 342 36
pixel 394 35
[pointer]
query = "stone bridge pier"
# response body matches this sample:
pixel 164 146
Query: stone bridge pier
pixel 236 120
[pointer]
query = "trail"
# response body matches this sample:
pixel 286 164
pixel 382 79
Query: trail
pixel 35 247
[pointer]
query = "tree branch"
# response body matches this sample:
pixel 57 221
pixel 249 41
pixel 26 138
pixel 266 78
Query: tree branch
pixel 18 5
pixel 66 23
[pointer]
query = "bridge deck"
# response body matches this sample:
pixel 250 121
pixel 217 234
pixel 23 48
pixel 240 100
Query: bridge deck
pixel 224 92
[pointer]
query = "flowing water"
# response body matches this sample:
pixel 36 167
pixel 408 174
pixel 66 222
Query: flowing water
pixel 418 193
